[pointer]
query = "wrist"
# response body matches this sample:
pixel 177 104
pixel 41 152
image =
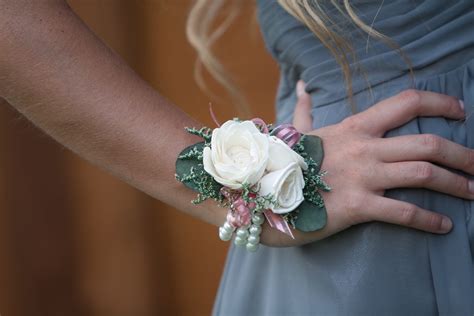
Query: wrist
pixel 260 173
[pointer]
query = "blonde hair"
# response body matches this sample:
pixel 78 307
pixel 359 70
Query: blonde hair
pixel 202 34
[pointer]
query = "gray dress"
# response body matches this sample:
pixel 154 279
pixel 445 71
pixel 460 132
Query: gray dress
pixel 373 268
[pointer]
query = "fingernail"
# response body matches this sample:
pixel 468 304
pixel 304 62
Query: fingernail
pixel 446 225
pixel 300 86
pixel 471 186
pixel 461 104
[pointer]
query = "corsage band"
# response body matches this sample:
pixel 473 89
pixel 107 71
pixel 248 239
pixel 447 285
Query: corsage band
pixel 258 172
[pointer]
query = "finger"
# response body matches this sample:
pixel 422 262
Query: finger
pixel 405 214
pixel 422 174
pixel 425 147
pixel 302 119
pixel 405 106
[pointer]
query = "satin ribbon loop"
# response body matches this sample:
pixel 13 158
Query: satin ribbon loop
pixel 287 133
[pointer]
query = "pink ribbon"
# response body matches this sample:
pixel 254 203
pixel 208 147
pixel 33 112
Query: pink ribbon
pixel 276 221
pixel 288 134
pixel 239 213
pixel 213 115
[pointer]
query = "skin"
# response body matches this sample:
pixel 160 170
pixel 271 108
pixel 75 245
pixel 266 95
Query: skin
pixel 378 164
pixel 66 81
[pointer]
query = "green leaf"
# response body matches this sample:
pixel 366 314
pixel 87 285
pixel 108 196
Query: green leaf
pixel 313 146
pixel 310 217
pixel 184 166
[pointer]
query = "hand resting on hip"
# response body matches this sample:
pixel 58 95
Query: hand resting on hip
pixel 361 165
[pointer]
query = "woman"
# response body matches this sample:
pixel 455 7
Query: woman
pixel 373 268
pixel 61 77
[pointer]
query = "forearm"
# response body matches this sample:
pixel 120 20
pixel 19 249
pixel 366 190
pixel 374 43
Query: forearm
pixel 67 82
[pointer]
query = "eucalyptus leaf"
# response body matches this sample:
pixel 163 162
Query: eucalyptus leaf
pixel 313 146
pixel 310 217
pixel 184 166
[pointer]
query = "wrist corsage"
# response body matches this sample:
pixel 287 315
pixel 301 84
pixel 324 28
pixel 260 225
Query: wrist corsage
pixel 258 172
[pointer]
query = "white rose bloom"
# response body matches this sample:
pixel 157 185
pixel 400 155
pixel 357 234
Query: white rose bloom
pixel 238 154
pixel 281 155
pixel 286 185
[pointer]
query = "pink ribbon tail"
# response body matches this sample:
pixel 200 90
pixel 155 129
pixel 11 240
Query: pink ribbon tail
pixel 213 116
pixel 288 134
pixel 276 221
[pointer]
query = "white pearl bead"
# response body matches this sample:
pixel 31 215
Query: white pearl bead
pixel 253 240
pixel 252 247
pixel 228 227
pixel 242 233
pixel 224 235
pixel 240 241
pixel 257 219
pixel 255 230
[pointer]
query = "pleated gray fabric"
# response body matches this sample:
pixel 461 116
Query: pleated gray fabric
pixel 373 268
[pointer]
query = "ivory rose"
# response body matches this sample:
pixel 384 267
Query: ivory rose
pixel 238 154
pixel 286 186
pixel 281 155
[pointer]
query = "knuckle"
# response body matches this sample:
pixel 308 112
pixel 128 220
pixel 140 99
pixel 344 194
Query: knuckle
pixel 469 164
pixel 354 209
pixel 410 97
pixel 408 215
pixel 453 105
pixel 352 123
pixel 423 172
pixel 359 149
pixel 434 222
pixel 432 143
pixel 462 185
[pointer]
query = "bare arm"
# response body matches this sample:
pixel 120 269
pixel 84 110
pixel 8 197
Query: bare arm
pixel 58 74
pixel 66 81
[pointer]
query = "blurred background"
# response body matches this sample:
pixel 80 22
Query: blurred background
pixel 76 241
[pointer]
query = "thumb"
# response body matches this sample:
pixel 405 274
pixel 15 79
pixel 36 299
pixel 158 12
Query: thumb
pixel 302 118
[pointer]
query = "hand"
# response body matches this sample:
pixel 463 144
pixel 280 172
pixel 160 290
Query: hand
pixel 361 165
